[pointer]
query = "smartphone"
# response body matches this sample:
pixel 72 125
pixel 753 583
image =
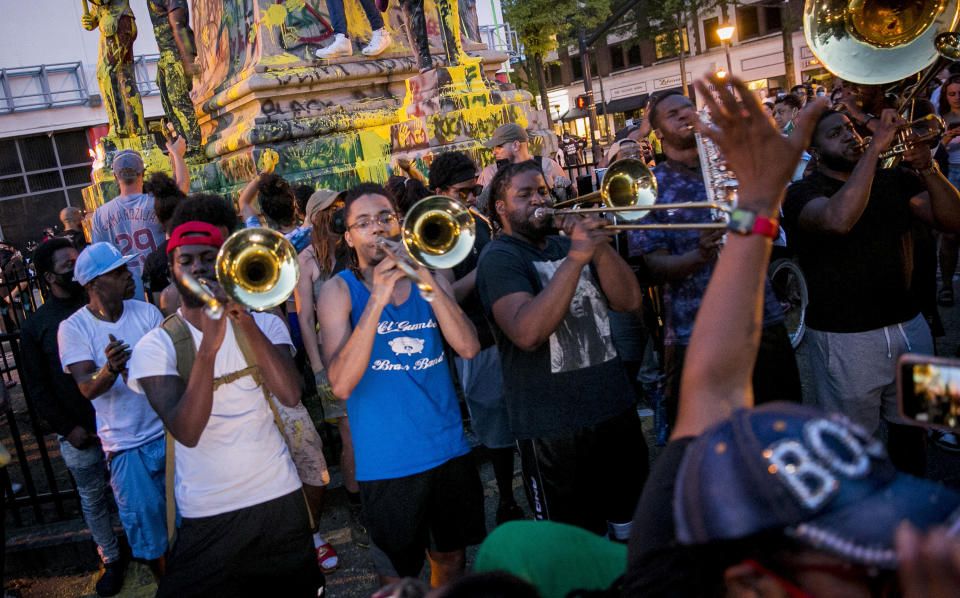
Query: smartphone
pixel 929 391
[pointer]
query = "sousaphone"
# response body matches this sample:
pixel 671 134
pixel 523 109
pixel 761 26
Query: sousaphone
pixel 873 42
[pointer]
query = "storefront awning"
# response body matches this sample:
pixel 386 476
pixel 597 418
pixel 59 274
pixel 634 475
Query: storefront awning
pixel 575 113
pixel 626 104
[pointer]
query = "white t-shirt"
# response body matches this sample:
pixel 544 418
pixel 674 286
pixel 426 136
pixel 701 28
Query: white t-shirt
pixel 130 223
pixel 241 458
pixel 125 419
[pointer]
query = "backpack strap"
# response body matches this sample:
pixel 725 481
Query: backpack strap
pixel 186 353
pixel 248 356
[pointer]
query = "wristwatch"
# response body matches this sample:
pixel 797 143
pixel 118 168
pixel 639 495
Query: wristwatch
pixel 746 222
pixel 934 168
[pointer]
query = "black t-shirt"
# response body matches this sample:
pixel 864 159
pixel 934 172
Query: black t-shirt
pixel 573 380
pixel 860 280
pixel 657 565
pixel 156 271
pixel 570 149
pixel 471 304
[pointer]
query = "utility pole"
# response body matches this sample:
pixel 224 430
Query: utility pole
pixel 588 91
pixel 585 43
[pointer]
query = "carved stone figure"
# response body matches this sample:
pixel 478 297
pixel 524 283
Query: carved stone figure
pixel 115 70
pixel 177 65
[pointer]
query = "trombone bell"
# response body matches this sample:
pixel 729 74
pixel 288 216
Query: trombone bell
pixel 257 268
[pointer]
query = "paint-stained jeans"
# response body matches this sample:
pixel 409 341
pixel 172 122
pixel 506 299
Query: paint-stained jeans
pixel 338 16
pixel 89 469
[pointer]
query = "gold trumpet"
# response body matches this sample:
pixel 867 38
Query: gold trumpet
pixel 918 132
pixel 438 233
pixel 256 267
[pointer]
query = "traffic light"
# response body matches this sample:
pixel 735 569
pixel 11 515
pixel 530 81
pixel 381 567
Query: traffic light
pixel 582 102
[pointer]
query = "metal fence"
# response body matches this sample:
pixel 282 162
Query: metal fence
pixel 45 483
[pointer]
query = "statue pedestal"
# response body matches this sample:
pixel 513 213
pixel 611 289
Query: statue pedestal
pixel 333 123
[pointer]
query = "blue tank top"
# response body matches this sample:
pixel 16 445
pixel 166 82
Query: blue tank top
pixel 404 415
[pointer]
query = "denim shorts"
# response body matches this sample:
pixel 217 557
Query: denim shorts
pixel 137 478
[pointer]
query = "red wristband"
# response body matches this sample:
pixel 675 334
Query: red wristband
pixel 768 227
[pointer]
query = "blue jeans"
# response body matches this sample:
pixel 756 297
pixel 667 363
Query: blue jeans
pixel 89 470
pixel 138 480
pixel 338 16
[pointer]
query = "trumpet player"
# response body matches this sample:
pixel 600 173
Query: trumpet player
pixel 684 260
pixel 851 225
pixel 383 349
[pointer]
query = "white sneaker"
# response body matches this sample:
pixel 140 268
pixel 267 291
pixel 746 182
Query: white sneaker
pixel 379 42
pixel 341 46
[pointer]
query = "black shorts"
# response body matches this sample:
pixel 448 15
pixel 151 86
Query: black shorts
pixel 589 477
pixel 263 550
pixel 440 509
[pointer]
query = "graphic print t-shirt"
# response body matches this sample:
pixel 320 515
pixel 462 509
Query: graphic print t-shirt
pixel 573 380
pixel 404 415
pixel 129 222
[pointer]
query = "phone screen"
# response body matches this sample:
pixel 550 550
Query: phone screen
pixel 931 393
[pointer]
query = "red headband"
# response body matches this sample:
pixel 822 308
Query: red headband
pixel 195 233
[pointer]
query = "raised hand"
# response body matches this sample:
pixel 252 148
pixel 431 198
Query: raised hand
pixel 269 159
pixel 886 131
pixel 762 157
pixel 385 277
pixel 118 354
pixel 175 144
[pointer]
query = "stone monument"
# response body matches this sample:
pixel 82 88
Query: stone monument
pixel 332 122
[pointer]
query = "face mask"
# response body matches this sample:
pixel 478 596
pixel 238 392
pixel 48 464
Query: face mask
pixel 68 284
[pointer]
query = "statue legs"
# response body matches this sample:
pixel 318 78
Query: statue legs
pixel 415 24
pixel 118 81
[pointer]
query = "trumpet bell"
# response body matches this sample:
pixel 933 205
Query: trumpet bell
pixel 438 232
pixel 629 183
pixel 874 42
pixel 257 267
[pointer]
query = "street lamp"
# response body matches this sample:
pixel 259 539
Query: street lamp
pixel 725 34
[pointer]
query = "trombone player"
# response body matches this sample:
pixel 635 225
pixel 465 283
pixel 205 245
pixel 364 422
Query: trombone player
pixel 851 224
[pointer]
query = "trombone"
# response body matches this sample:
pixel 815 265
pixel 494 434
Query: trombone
pixel 256 267
pixel 438 232
pixel 629 190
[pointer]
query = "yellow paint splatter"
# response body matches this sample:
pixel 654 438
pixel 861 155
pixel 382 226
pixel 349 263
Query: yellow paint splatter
pixel 274 15
pixel 280 59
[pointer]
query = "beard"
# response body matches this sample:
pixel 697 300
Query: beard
pixel 837 162
pixel 685 141
pixel 73 288
pixel 187 298
pixel 532 229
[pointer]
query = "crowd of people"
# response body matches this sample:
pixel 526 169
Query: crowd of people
pixel 771 484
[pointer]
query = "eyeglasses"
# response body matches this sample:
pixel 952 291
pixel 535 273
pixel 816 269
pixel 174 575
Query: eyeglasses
pixel 466 192
pixel 365 224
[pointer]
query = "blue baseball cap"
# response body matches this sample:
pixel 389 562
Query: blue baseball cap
pixel 819 478
pixel 98 259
